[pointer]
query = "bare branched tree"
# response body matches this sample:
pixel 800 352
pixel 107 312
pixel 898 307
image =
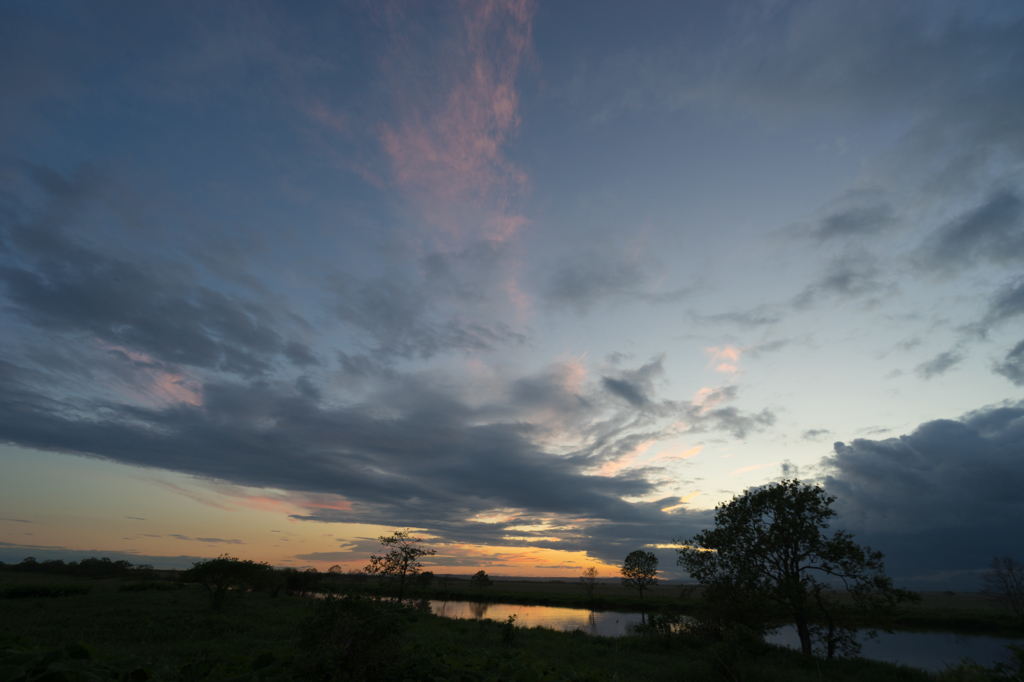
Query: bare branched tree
pixel 1004 582
pixel 588 581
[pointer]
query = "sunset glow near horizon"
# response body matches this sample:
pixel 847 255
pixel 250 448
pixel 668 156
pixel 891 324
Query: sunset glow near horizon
pixel 543 282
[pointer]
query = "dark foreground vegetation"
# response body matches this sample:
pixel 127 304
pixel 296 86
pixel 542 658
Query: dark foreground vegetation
pixel 770 560
pixel 57 627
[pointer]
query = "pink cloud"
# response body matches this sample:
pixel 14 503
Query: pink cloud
pixel 753 467
pixel 445 148
pixel 319 111
pixel 153 385
pixel 611 468
pixel 727 357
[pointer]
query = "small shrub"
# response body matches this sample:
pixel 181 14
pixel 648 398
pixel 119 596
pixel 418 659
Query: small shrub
pixel 508 631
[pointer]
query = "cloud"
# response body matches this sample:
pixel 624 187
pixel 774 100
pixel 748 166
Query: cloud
pixel 583 284
pixel 411 452
pixel 732 420
pixel 752 467
pixel 726 357
pixel 815 434
pixel 849 277
pixel 1012 366
pixel 445 146
pixel 856 215
pixel 759 316
pixel 400 320
pixel 947 479
pixel 1006 303
pixel 940 364
pixel 214 541
pixel 60 285
pixel 992 232
pixel 327 556
pixel 633 386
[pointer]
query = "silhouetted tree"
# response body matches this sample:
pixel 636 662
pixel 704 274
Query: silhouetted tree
pixel 766 549
pixel 1004 582
pixel 225 574
pixel 480 580
pixel 402 560
pixel 588 582
pixel 639 570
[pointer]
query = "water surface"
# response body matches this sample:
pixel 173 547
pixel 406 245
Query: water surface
pixel 927 650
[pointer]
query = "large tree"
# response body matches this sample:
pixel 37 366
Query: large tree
pixel 639 570
pixel 226 575
pixel 770 547
pixel 402 559
pixel 1004 582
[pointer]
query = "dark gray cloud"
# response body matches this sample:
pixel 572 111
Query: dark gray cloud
pixel 469 275
pixel 625 390
pixel 410 453
pixel 731 420
pixel 940 364
pixel 1007 303
pixel 815 434
pixel 848 277
pixel 861 216
pixel 61 285
pixel 760 316
pixel 399 320
pixel 212 541
pixel 1012 366
pixel 909 496
pixel 634 386
pixel 992 232
pixel 762 349
pixel 583 284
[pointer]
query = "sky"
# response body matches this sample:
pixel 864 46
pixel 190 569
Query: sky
pixel 543 282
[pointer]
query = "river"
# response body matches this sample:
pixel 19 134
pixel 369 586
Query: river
pixel 928 650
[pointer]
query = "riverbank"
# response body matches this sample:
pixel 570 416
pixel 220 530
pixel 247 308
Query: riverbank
pixel 172 634
pixel 967 613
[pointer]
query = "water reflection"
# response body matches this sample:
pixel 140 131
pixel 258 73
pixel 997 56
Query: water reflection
pixel 603 623
pixel 932 651
pixel 928 650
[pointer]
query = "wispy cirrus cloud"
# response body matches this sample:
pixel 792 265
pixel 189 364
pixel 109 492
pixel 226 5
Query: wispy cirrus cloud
pixel 445 143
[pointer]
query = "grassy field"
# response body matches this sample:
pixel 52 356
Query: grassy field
pixel 173 635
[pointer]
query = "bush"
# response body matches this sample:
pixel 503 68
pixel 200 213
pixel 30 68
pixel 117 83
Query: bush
pixel 31 591
pixel 149 585
pixel 969 671
pixel 354 637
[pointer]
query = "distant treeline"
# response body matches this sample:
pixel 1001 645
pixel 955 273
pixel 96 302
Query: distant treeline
pixel 86 568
